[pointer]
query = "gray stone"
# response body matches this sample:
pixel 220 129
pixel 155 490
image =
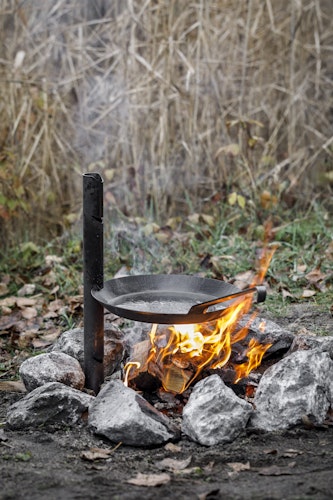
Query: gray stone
pixel 297 387
pixel 121 414
pixel 306 342
pixel 213 413
pixel 266 331
pixel 51 367
pixel 71 342
pixel 53 403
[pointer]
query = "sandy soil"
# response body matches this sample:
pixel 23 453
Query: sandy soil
pixel 52 463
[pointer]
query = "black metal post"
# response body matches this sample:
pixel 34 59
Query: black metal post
pixel 93 278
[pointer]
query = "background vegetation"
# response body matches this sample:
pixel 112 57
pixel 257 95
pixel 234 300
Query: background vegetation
pixel 178 104
pixel 206 119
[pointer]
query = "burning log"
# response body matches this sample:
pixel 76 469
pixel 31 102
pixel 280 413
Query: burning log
pixel 174 357
pixel 146 375
pixel 178 355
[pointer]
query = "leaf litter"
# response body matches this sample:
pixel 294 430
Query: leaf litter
pixel 150 480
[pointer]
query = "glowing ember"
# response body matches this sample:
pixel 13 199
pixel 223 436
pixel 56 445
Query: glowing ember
pixel 179 353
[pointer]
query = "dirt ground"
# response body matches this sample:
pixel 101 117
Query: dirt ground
pixel 52 463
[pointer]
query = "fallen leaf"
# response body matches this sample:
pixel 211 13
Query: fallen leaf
pixel 23 302
pixel 175 448
pixel 3 289
pixel 75 302
pixel 315 276
pixel 50 279
pixel 8 302
pixel 209 220
pixel 98 453
pixel 56 305
pixel 173 465
pixel 308 293
pixel 25 338
pixel 243 280
pixel 239 466
pixel 12 386
pixel 150 479
pixel 40 344
pixel 286 294
pixel 29 312
pixel 7 322
pixel 54 290
pixel 246 276
pixel 174 222
pixel 150 228
pixel 232 198
pixel 290 453
pixel 164 235
pixel 52 259
pixel 46 340
pixel 241 201
pixel 194 218
pixel 95 454
pixel 27 289
pixel 5 310
pixel 189 470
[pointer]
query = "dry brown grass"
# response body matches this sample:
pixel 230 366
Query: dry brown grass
pixel 172 101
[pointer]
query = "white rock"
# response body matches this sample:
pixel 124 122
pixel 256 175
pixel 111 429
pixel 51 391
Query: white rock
pixel 51 367
pixel 306 342
pixel 214 414
pixel 267 332
pixel 71 343
pixel 53 403
pixel 298 386
pixel 121 414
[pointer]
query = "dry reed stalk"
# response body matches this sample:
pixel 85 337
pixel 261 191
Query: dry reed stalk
pixel 151 93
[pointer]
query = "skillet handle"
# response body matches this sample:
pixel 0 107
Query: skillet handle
pixel 202 308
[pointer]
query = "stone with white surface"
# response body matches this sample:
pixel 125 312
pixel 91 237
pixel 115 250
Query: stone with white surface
pixel 52 403
pixel 298 387
pixel 306 342
pixel 71 342
pixel 214 414
pixel 121 414
pixel 51 367
pixel 266 331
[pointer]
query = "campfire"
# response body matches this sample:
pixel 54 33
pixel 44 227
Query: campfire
pixel 203 344
pixel 201 315
pixel 176 356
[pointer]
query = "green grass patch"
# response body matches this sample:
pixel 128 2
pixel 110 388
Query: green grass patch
pixel 220 245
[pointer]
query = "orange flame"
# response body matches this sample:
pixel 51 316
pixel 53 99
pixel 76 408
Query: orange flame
pixel 128 367
pixel 179 353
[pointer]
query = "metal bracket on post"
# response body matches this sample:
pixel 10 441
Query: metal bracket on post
pixel 93 278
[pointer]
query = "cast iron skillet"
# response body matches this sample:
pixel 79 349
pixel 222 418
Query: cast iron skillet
pixel 170 298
